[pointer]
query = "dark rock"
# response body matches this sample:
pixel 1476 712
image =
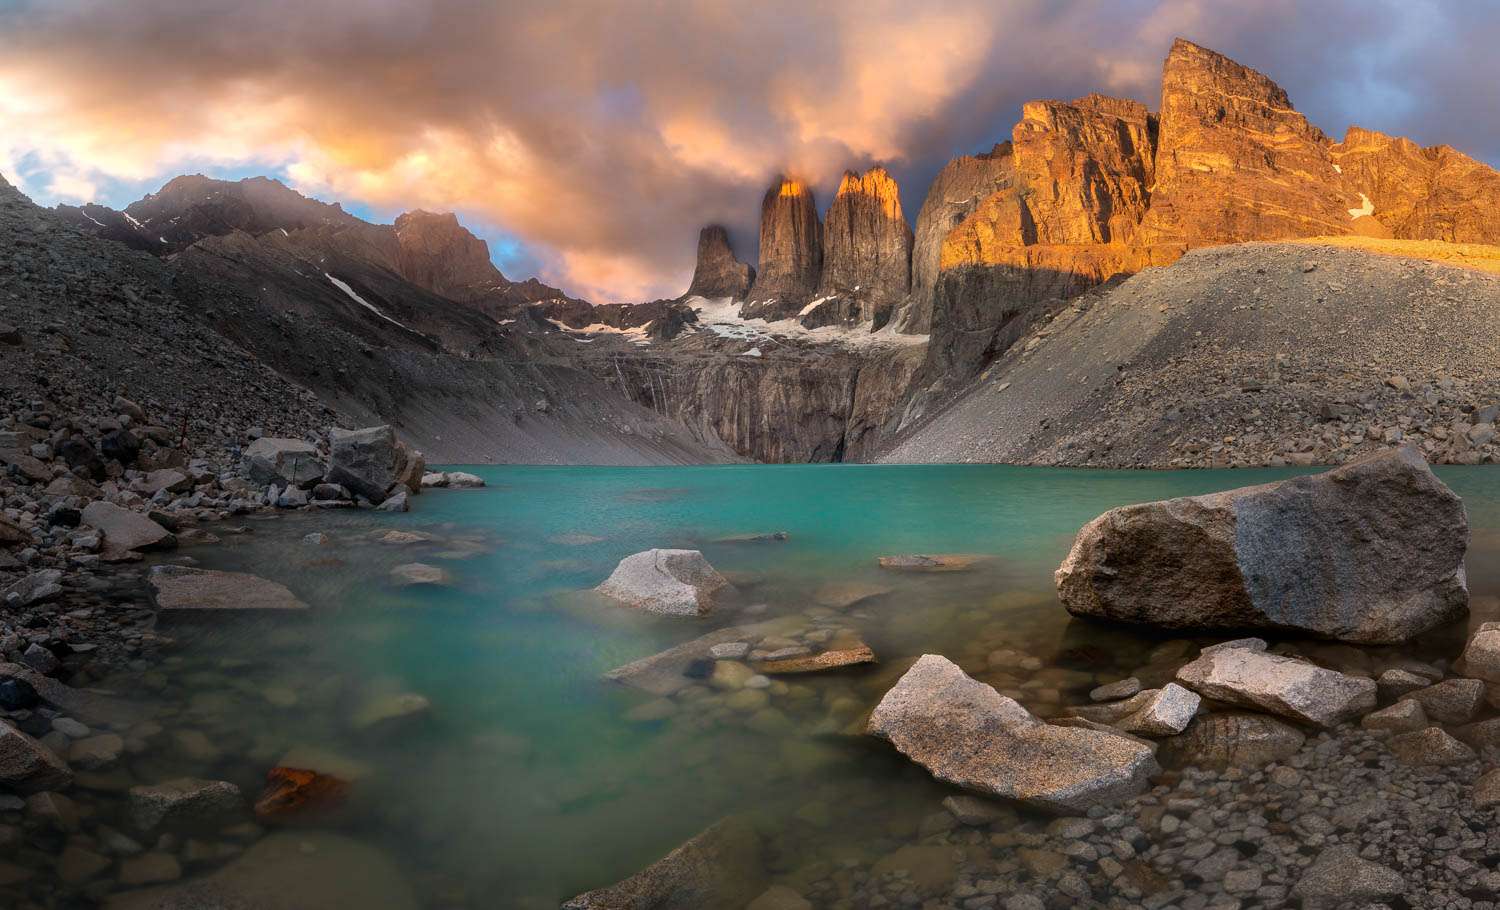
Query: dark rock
pixel 791 252
pixel 719 869
pixel 120 445
pixel 1232 739
pixel 718 273
pixel 364 461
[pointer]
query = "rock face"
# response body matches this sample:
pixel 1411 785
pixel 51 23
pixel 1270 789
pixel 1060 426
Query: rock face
pixel 969 735
pixel 866 252
pixel 441 255
pixel 27 766
pixel 1371 552
pixel 791 252
pixel 1292 688
pixel 718 273
pixel 719 869
pixel 671 582
pixel 1418 193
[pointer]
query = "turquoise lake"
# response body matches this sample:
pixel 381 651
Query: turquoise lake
pixel 530 779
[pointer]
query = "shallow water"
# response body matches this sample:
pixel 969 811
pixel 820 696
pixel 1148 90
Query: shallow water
pixel 531 779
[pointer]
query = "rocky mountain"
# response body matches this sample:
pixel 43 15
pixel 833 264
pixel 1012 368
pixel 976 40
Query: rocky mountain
pixel 866 253
pixel 791 252
pixel 717 273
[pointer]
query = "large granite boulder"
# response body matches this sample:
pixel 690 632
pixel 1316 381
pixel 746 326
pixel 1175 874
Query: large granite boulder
pixel 1248 677
pixel 1371 552
pixel 284 462
pixel 718 869
pixel 672 582
pixel 181 591
pixel 371 461
pixel 969 735
pixel 126 532
pixel 27 766
pixel 718 273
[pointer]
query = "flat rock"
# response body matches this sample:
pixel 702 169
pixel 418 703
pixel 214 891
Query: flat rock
pixel 93 753
pixel 937 562
pixel 1340 875
pixel 665 672
pixel 1232 739
pixel 831 659
pixel 976 810
pixel 842 595
pixel 1402 717
pixel 670 582
pixel 126 531
pixel 1452 701
pixel 1371 552
pixel 305 870
pixel 1166 713
pixel 181 591
pixel 1280 685
pixel 93 707
pixel 718 869
pixel 419 573
pixel 969 735
pixel 1431 746
pixel 1120 688
pixel 27 766
pixel 185 803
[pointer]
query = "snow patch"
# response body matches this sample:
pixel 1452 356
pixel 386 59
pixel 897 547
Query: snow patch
pixel 1337 169
pixel 1366 207
pixel 634 334
pixel 753 352
pixel 813 306
pixel 132 220
pixel 722 317
pixel 283 232
pixel 92 218
pixel 362 301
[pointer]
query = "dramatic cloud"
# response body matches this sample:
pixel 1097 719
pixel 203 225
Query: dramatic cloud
pixel 602 134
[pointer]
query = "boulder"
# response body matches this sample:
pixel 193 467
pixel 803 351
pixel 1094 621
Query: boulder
pixel 185 803
pixel 180 591
pixel 1431 746
pixel 126 531
pixel 1452 701
pixel 1402 717
pixel 1481 657
pixel 719 869
pixel 27 766
pixel 1340 875
pixel 284 462
pixel 410 467
pixel 1232 739
pixel 1280 685
pixel 969 735
pixel 1371 552
pixel 1166 713
pixel 396 502
pixel 169 479
pixel 1487 790
pixel 366 461
pixel 671 582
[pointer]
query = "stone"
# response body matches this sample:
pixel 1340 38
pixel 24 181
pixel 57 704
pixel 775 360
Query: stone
pixel 169 479
pixel 780 897
pixel 668 672
pixel 419 574
pixel 1340 874
pixel 94 753
pixel 1396 682
pixel 183 592
pixel 967 734
pixel 27 766
pixel 729 650
pixel 396 502
pixel 294 793
pixel 35 588
pixel 670 582
pixel 718 869
pixel 149 869
pixel 126 531
pixel 1452 701
pixel 303 870
pixel 452 479
pixel 1122 688
pixel 40 659
pixel 1431 746
pixel 364 461
pixel 1168 712
pixel 941 562
pixel 832 659
pixel 184 804
pixel 791 252
pixel 1291 688
pixel 1487 789
pixel 1402 717
pixel 1232 739
pixel 977 811
pixel 1378 558
pixel 717 273
pixel 386 714
pixel 1481 657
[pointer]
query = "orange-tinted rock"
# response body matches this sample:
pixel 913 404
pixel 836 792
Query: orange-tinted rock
pixel 831 659
pixel 1235 161
pixel 1420 193
pixel 866 251
pixel 439 254
pixel 717 272
pixel 299 794
pixel 791 251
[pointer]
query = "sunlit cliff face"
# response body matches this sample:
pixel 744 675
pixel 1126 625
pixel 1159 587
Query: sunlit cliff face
pixel 603 135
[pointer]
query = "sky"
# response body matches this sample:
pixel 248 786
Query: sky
pixel 588 140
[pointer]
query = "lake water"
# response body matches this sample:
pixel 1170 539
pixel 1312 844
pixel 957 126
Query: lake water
pixel 531 779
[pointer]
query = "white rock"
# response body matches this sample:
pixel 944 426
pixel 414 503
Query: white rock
pixel 671 582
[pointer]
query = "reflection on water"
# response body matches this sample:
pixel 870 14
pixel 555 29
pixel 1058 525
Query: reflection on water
pixel 491 761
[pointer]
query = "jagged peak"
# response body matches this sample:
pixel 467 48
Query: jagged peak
pixel 787 185
pixel 1186 58
pixel 876 182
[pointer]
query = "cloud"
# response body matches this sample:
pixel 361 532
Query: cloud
pixel 603 134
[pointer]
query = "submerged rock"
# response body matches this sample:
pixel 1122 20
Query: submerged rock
pixel 1371 552
pixel 831 659
pixel 419 573
pixel 969 735
pixel 185 803
pixel 1232 739
pixel 719 869
pixel 126 531
pixel 939 562
pixel 1431 746
pixel 671 582
pixel 1340 875
pixel 182 591
pixel 1281 685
